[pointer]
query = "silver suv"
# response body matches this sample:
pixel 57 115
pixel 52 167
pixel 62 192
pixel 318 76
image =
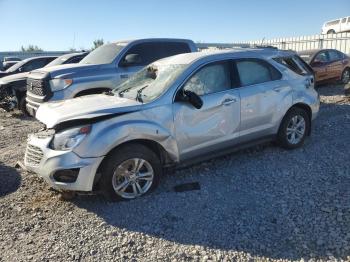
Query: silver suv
pixel 175 111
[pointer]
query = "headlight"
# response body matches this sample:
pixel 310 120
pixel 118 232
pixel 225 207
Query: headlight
pixel 69 139
pixel 57 84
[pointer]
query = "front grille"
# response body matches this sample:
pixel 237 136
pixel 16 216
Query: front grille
pixel 37 87
pixel 33 155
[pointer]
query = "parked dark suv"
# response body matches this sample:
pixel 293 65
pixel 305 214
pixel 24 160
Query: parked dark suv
pixel 27 65
pixel 72 58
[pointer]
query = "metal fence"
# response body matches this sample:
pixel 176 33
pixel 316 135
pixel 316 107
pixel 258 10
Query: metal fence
pixel 340 41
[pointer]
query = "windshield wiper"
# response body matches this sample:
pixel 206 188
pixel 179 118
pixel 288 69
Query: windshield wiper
pixel 121 93
pixel 139 94
pixel 108 93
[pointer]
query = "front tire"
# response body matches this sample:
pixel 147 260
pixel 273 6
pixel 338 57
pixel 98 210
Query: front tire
pixel 129 172
pixel 331 31
pixel 294 128
pixel 22 105
pixel 345 76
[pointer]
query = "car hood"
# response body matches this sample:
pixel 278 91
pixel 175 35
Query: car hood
pixel 68 70
pixel 14 77
pixel 84 108
pixel 3 74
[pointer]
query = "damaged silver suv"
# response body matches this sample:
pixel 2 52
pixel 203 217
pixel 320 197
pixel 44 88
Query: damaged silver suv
pixel 176 110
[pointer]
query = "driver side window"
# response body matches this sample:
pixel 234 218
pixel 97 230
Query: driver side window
pixel 147 53
pixel 211 78
pixel 35 64
pixel 322 57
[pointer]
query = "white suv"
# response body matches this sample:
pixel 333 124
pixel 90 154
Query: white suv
pixel 336 26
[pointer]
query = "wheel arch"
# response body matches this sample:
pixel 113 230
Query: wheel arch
pixel 304 107
pixel 92 91
pixel 346 68
pixel 156 147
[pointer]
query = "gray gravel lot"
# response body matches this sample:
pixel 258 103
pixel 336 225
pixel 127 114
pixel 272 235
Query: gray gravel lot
pixel 264 203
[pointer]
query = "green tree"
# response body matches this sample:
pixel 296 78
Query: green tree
pixel 31 48
pixel 97 43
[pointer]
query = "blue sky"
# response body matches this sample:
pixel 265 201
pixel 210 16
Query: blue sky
pixel 63 24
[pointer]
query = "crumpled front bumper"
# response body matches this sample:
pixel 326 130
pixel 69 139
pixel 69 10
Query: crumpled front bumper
pixel 42 160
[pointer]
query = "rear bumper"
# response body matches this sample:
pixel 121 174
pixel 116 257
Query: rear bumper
pixel 47 162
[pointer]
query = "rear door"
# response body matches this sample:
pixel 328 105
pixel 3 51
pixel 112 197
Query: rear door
pixel 262 91
pixel 216 124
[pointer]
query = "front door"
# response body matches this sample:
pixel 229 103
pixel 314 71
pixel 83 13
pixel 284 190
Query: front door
pixel 216 124
pixel 320 66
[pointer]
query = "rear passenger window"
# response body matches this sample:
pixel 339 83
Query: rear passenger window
pixel 170 49
pixel 253 72
pixel 334 55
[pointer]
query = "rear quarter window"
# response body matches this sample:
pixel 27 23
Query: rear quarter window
pixel 295 64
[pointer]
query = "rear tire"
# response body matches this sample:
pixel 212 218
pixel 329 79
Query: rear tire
pixel 331 31
pixel 294 128
pixel 129 172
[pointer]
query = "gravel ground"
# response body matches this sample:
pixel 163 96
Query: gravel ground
pixel 264 203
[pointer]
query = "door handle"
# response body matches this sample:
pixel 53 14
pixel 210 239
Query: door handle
pixel 228 101
pixel 277 89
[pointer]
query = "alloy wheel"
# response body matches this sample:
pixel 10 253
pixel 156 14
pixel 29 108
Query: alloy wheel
pixel 346 77
pixel 133 178
pixel 296 129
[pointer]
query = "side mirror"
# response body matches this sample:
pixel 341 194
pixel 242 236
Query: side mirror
pixel 20 69
pixel 316 63
pixel 193 99
pixel 131 59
